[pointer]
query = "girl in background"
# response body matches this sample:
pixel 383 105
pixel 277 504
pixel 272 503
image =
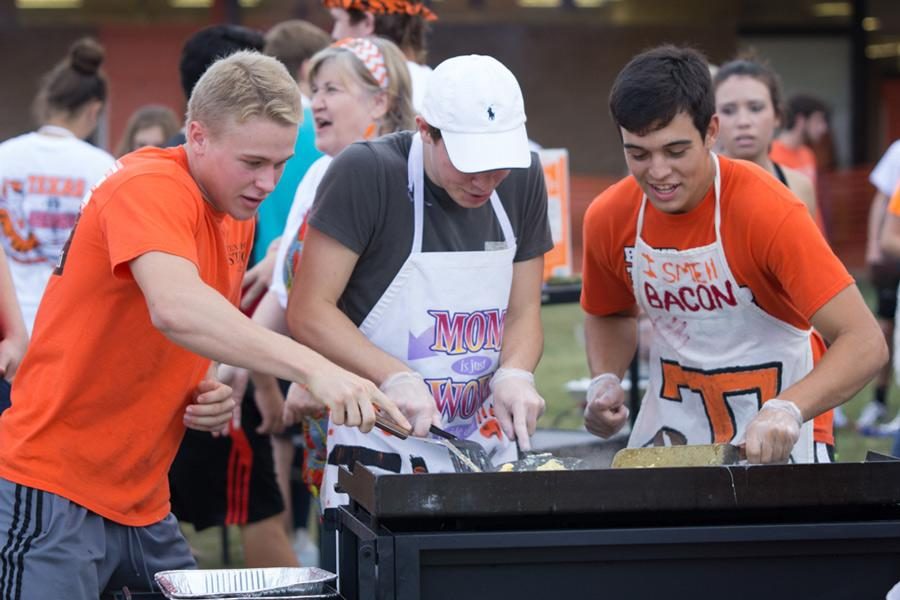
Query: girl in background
pixel 45 174
pixel 150 125
pixel 404 22
pixel 748 102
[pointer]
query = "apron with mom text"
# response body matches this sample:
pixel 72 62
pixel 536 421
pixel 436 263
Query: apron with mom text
pixel 442 315
pixel 716 356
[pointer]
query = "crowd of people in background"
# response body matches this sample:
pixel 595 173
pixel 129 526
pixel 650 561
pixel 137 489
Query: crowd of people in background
pixel 397 185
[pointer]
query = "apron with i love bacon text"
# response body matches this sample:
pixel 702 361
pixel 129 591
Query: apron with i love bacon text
pixel 716 356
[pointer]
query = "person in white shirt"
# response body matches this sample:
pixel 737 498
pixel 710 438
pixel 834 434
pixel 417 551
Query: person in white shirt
pixel 45 174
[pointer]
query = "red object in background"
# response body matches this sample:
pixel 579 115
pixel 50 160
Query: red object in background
pixel 846 206
pixel 142 66
pixel 583 188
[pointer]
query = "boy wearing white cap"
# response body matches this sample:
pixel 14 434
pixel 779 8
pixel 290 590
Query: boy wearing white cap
pixel 424 257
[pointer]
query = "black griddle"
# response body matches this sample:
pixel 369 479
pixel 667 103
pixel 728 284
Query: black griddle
pixel 737 532
pixel 841 490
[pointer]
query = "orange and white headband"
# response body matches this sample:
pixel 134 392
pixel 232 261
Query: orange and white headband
pixel 385 7
pixel 370 56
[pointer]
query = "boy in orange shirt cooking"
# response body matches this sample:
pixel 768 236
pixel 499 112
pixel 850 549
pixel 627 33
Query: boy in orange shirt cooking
pixel 733 274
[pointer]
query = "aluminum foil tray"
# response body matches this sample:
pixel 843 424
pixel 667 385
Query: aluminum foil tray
pixel 244 583
pixel 328 593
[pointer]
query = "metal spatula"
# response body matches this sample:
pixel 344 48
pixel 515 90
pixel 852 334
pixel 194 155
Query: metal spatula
pixel 474 451
pixel 470 455
pixel 679 456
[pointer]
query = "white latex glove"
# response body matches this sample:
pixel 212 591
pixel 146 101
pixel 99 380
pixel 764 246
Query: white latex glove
pixel 408 391
pixel 772 433
pixel 517 404
pixel 605 413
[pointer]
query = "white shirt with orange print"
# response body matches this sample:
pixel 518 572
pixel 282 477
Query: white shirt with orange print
pixel 43 177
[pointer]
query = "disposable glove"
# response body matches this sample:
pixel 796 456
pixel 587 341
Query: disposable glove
pixel 773 432
pixel 408 391
pixel 605 412
pixel 517 404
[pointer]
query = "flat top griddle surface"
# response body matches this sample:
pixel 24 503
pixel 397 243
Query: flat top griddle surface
pixel 840 487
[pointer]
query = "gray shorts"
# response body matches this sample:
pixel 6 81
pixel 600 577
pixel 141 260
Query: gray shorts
pixel 51 547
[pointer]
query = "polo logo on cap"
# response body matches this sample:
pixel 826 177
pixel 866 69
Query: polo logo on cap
pixel 491 114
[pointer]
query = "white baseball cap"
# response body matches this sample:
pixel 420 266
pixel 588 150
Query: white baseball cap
pixel 476 103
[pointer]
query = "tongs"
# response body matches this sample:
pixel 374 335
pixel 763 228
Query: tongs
pixel 471 455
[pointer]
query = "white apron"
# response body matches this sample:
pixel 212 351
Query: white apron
pixel 442 315
pixel 716 355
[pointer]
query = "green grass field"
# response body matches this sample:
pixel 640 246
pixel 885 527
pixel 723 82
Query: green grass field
pixel 564 360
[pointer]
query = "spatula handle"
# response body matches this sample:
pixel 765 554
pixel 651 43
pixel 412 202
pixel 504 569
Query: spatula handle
pixel 441 433
pixel 387 425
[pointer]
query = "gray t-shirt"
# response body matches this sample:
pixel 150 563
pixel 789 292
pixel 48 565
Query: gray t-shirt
pixel 363 203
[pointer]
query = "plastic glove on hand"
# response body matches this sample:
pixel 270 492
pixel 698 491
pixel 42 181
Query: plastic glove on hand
pixel 517 404
pixel 408 391
pixel 605 413
pixel 773 432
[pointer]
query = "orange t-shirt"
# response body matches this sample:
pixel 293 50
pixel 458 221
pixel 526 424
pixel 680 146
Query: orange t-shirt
pixel 800 159
pixel 98 401
pixel 771 244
